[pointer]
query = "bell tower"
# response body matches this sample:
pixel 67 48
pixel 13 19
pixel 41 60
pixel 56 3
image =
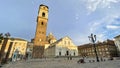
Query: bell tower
pixel 42 19
pixel 40 34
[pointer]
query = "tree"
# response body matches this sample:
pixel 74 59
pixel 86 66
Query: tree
pixel 7 35
pixel 3 56
pixel 1 37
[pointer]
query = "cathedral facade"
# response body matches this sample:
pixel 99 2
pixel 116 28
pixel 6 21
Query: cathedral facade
pixel 62 47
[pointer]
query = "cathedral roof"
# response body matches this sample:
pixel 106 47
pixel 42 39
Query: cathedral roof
pixel 61 39
pixel 18 39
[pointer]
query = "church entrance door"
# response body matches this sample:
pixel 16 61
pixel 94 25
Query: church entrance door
pixel 67 52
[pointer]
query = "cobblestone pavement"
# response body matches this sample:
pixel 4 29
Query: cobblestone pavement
pixel 53 63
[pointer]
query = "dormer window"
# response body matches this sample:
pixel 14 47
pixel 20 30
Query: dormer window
pixel 43 14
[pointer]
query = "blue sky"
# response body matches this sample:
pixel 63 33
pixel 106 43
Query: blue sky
pixel 76 19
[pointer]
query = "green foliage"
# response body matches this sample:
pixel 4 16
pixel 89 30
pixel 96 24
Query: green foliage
pixel 6 35
pixel 1 37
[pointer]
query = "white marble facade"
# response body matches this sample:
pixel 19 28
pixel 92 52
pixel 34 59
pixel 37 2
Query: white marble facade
pixel 62 47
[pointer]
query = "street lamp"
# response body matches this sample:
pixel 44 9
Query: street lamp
pixel 92 38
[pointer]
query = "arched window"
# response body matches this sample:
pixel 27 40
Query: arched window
pixel 42 23
pixel 74 53
pixel 67 53
pixel 43 14
pixel 59 53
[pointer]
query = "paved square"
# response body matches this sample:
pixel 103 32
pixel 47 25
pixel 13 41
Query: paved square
pixel 58 63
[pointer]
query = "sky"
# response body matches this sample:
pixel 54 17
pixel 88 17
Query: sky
pixel 74 18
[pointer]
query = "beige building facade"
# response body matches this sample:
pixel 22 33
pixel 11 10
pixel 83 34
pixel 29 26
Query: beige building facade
pixel 29 50
pixel 10 46
pixel 104 49
pixel 1 44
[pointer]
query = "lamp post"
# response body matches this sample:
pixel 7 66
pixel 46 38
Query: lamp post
pixel 92 38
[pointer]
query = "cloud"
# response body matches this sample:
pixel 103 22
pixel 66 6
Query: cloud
pixel 107 27
pixel 107 21
pixel 94 26
pixel 81 39
pixel 77 16
pixel 112 27
pixel 103 19
pixel 100 37
pixel 93 5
